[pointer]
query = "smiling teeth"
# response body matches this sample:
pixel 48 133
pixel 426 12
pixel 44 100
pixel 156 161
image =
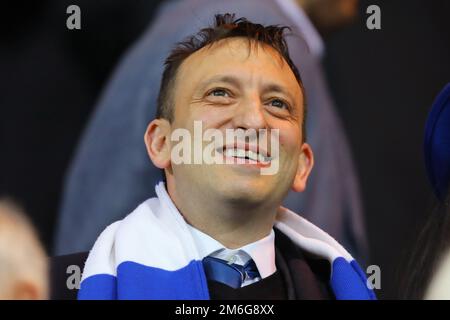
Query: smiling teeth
pixel 241 153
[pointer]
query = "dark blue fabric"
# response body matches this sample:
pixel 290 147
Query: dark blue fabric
pixel 437 144
pixel 231 274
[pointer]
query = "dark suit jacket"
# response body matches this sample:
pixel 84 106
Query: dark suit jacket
pixel 304 277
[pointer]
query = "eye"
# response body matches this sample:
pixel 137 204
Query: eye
pixel 218 93
pixel 279 104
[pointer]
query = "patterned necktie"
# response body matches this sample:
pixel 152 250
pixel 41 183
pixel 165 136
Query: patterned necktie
pixel 227 273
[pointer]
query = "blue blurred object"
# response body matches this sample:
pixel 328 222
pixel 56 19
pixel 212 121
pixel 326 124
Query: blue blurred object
pixel 437 144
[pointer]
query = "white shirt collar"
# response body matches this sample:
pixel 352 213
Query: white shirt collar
pixel 312 37
pixel 261 251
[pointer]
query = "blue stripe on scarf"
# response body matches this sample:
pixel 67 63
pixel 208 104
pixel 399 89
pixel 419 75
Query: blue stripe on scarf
pixel 349 282
pixel 137 281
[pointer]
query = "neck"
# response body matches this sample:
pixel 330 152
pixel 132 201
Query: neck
pixel 233 225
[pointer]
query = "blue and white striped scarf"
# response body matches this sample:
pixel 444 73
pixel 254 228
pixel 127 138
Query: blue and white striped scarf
pixel 150 254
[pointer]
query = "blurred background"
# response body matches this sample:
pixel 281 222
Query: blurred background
pixel 383 82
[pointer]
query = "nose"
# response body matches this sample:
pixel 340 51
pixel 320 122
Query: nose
pixel 250 114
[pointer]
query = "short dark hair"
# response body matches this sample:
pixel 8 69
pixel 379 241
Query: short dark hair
pixel 226 26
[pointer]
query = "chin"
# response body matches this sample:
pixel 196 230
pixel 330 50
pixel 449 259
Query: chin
pixel 245 190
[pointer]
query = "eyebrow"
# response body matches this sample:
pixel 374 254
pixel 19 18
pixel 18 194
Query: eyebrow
pixel 234 81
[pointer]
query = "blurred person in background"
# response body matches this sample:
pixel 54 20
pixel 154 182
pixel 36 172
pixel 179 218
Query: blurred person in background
pixel 23 262
pixel 110 172
pixel 428 272
pixel 330 15
pixel 437 286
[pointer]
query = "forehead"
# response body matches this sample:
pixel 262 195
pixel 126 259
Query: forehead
pixel 251 61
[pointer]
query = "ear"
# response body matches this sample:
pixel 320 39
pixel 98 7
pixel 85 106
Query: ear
pixel 157 141
pixel 26 290
pixel 305 165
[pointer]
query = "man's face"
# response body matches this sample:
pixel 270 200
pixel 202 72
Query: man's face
pixel 226 86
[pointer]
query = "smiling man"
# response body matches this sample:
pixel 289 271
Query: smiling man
pixel 229 85
pixel 217 230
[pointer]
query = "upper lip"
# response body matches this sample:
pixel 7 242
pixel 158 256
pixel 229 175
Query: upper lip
pixel 247 147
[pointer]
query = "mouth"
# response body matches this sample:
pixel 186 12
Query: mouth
pixel 245 154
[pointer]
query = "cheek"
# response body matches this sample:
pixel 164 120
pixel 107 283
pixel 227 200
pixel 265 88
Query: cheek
pixel 290 141
pixel 290 133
